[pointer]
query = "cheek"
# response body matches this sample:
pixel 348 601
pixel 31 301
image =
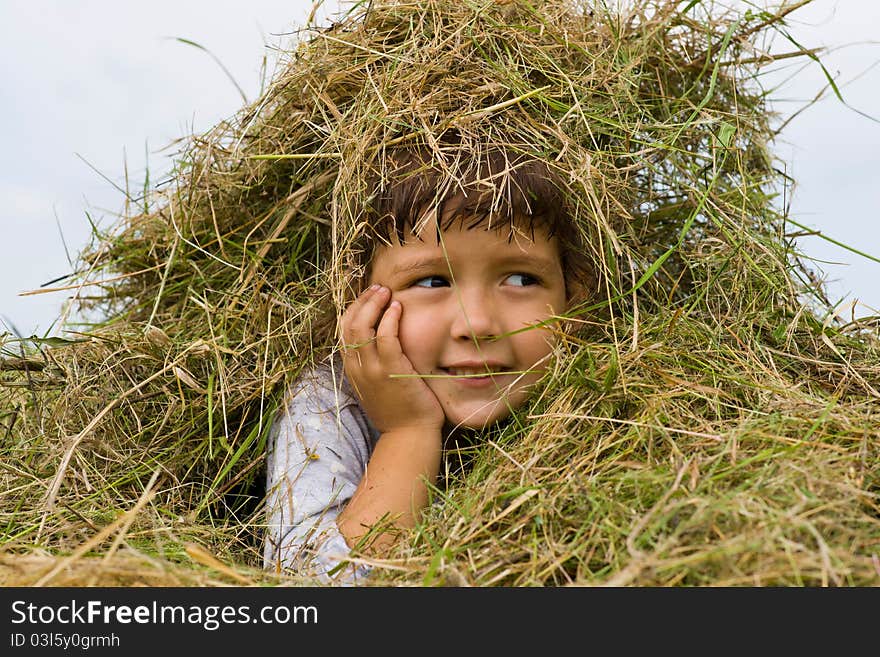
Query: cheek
pixel 532 346
pixel 536 342
pixel 418 336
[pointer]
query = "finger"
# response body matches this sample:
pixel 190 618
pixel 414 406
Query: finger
pixel 387 336
pixel 367 316
pixel 359 321
pixel 351 355
pixel 355 306
pixel 361 298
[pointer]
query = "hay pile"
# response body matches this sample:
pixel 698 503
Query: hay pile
pixel 709 422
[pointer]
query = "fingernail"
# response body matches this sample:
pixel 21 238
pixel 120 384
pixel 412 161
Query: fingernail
pixel 395 303
pixel 374 288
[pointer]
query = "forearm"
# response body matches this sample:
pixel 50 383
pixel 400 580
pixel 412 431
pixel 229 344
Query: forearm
pixel 395 483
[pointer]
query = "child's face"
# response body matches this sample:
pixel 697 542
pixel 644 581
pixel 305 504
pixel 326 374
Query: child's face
pixel 459 293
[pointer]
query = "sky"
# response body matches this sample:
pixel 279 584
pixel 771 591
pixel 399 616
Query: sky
pixel 94 88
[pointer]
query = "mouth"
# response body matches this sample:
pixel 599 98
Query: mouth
pixel 474 372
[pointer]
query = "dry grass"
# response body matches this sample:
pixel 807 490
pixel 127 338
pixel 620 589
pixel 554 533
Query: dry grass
pixel 708 422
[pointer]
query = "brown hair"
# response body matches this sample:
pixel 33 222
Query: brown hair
pixel 496 189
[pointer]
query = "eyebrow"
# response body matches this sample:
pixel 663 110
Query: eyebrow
pixel 418 264
pixel 544 265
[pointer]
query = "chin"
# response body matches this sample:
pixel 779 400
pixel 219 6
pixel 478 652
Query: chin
pixel 479 417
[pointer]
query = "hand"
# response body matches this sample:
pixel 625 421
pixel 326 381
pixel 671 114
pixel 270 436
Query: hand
pixel 372 354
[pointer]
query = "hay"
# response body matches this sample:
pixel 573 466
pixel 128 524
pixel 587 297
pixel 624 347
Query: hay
pixel 709 420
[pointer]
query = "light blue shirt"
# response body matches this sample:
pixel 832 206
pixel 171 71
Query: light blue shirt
pixel 319 446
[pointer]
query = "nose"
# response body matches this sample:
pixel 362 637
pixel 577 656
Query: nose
pixel 475 315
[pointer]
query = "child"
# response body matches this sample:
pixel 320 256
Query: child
pixel 454 328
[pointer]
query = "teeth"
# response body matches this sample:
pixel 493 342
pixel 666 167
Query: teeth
pixel 471 372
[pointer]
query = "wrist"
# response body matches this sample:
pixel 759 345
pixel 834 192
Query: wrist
pixel 414 433
pixel 412 452
pixel 402 467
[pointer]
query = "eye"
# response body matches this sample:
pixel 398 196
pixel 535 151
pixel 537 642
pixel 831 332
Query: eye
pixel 522 280
pixel 431 281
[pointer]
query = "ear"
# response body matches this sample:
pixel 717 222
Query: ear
pixel 580 287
